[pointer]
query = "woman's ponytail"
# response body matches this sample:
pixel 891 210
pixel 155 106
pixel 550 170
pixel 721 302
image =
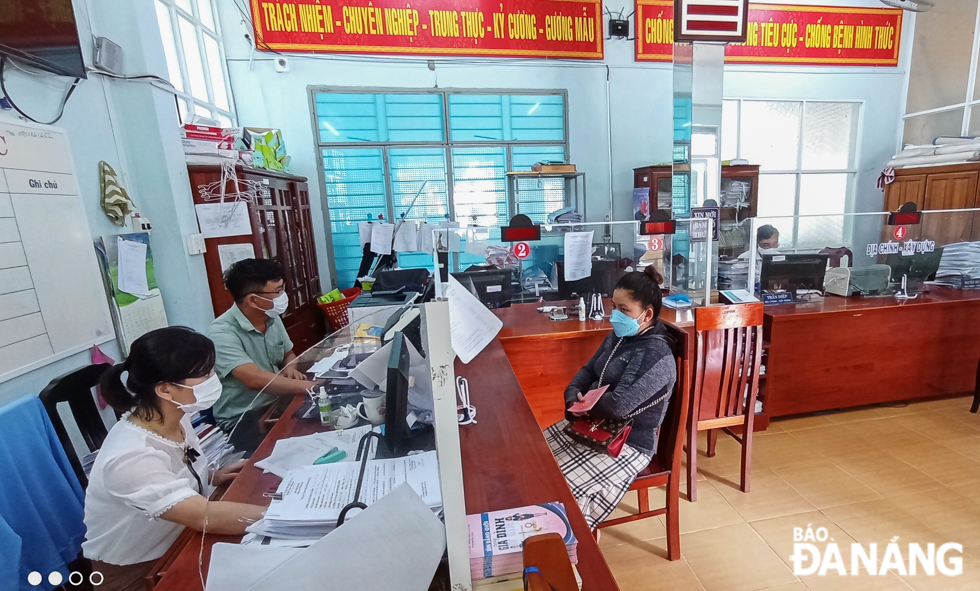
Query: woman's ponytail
pixel 114 392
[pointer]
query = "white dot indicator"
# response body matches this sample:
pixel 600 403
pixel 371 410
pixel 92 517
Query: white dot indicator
pixel 55 578
pixel 34 578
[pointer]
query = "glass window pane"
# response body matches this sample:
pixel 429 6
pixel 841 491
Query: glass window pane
pixel 922 129
pixel 536 198
pixel 822 194
pixel 777 195
pixel 185 5
pixel 480 185
pixel 192 59
pixel 775 134
pixel 828 131
pixel 729 130
pixel 218 87
pixel 204 12
pixel 943 42
pixel 225 121
pixel 476 117
pixel 703 144
pixel 355 187
pixel 202 111
pixel 537 118
pixel 182 109
pixel 414 117
pixel 346 117
pixel 418 183
pixel 169 45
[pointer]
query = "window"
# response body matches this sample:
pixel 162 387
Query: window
pixel 433 156
pixel 195 60
pixel 805 150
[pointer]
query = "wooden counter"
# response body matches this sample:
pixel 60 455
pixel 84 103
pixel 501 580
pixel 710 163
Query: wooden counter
pixel 845 352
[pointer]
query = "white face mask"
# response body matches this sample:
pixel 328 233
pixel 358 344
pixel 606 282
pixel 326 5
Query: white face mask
pixel 205 395
pixel 768 250
pixel 279 305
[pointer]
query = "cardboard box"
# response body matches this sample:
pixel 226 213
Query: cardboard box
pixel 561 168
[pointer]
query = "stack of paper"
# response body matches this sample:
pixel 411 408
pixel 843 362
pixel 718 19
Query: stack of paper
pixel 298 452
pixel 497 539
pixel 959 265
pixel 733 274
pixel 309 500
pixel 214 442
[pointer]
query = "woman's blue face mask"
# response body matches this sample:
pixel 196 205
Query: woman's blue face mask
pixel 624 325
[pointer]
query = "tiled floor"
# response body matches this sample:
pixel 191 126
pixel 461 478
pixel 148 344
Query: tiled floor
pixel 867 475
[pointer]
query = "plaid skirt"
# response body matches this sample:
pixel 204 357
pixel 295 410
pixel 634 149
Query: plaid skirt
pixel 598 481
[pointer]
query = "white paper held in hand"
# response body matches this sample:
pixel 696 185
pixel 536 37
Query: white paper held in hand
pixel 472 326
pixel 381 238
pixel 578 255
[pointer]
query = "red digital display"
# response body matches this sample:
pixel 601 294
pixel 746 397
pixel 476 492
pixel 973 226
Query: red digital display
pixel 519 233
pixel 667 227
pixel 904 219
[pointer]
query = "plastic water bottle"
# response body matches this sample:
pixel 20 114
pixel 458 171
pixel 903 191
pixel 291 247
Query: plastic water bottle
pixel 581 309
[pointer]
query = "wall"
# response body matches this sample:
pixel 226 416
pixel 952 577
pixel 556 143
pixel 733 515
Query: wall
pixel 133 127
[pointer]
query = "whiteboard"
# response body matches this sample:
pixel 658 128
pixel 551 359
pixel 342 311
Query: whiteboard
pixel 52 300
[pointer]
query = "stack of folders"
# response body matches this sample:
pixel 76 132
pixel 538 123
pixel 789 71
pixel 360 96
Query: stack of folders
pixel 309 500
pixel 497 540
pixel 732 272
pixel 960 265
pixel 214 442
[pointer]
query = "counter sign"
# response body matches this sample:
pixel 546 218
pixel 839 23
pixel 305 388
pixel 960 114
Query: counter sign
pixel 900 232
pixel 522 250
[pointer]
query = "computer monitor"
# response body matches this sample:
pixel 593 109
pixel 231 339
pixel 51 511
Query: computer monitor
pixel 607 250
pixel 793 273
pixel 407 320
pixel 492 286
pixel 919 268
pixel 397 431
pixel 605 275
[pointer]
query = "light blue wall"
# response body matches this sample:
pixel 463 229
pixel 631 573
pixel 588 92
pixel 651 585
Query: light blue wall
pixel 134 128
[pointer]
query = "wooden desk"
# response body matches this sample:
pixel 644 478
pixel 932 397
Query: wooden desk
pixel 507 462
pixel 546 354
pixel 845 352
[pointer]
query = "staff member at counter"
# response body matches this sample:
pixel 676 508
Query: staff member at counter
pixel 637 363
pixel 150 479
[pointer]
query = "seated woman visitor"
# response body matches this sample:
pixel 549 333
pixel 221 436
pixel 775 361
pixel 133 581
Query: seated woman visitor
pixel 151 479
pixel 637 364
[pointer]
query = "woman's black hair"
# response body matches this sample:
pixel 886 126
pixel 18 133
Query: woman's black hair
pixel 644 287
pixel 166 355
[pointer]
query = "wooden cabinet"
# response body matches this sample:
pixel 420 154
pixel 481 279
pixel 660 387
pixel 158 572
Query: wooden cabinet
pixel 939 187
pixel 282 229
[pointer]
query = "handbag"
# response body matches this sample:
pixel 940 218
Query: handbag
pixel 607 435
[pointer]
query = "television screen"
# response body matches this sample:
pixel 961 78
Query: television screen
pixel 42 34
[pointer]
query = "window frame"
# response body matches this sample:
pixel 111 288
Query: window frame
pixel 201 31
pixel 851 171
pixel 448 144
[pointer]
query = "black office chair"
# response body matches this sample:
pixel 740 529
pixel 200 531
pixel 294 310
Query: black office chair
pixel 75 388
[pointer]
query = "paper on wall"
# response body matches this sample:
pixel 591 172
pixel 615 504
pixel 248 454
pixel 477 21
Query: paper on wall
pixel 381 235
pixel 472 326
pixel 425 237
pixel 219 220
pixel 229 254
pixel 132 267
pixel 406 237
pixel 578 255
pixel 364 232
pixel 448 236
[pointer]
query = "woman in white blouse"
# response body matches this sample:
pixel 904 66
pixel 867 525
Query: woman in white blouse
pixel 150 479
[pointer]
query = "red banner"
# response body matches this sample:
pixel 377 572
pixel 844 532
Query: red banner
pixel 492 28
pixel 785 34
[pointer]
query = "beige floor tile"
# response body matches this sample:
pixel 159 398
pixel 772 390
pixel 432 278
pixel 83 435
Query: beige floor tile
pixel 970 491
pixel 961 403
pixel 778 532
pixel 938 426
pixel 954 517
pixel 862 582
pixel 888 434
pixel 969 447
pixel 644 567
pixel 825 485
pixel 893 409
pixel 780 450
pixel 834 442
pixel 790 587
pixel 888 476
pixel 709 512
pixel 633 532
pixel 798 422
pixel 854 415
pixel 770 497
pixel 879 521
pixel 941 463
pixel 734 558
pixel 968 581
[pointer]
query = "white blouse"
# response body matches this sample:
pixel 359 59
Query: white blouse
pixel 137 476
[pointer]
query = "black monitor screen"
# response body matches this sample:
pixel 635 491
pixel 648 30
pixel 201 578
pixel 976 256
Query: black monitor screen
pixel 396 400
pixel 43 34
pixel 920 266
pixel 492 286
pixel 793 273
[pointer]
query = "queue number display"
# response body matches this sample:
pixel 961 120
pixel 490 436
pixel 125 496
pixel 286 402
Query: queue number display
pixel 569 29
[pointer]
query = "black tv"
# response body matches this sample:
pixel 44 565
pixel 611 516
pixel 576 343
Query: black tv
pixel 492 286
pixel 792 273
pixel 42 34
pixel 397 431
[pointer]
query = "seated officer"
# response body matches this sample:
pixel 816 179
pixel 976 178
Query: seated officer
pixel 252 346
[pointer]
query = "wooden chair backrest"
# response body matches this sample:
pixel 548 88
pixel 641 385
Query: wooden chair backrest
pixel 670 438
pixel 729 353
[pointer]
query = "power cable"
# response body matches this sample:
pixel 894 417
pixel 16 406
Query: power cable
pixel 61 111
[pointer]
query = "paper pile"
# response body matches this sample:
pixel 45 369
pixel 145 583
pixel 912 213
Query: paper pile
pixel 497 538
pixel 214 443
pixel 959 265
pixel 298 452
pixel 733 274
pixel 309 500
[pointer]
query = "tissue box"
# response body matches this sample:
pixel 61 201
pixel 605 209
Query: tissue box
pixel 267 146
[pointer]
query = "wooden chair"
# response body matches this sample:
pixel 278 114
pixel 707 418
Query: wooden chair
pixel 547 554
pixel 726 383
pixel 664 469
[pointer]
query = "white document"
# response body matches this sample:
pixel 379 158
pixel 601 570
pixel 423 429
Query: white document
pixel 132 267
pixel 471 325
pixel 239 566
pixel 578 255
pixel 448 236
pixel 299 452
pixel 319 493
pixel 218 220
pixel 229 254
pixel 396 543
pixel 406 237
pixel 381 235
pixel 425 237
pixel 364 232
pixel 326 364
pixel 257 540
